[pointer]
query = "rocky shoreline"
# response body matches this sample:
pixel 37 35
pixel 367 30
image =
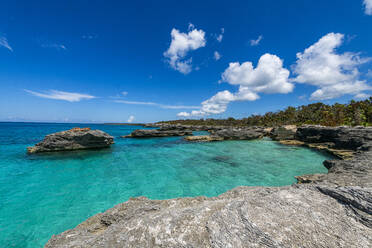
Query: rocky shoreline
pixel 323 210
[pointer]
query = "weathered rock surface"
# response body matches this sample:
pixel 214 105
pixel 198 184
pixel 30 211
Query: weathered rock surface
pixel 74 139
pixel 239 133
pixel 148 133
pixel 350 138
pixel 294 216
pixel 287 132
pixel 354 172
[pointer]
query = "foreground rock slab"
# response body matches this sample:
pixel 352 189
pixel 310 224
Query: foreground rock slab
pixel 293 216
pixel 74 139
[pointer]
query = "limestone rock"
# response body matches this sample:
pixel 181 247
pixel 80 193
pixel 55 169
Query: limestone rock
pixel 239 133
pixel 293 216
pixel 148 133
pixel 287 132
pixel 349 138
pixel 74 139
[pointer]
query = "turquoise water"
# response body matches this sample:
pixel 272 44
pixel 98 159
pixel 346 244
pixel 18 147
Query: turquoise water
pixel 42 195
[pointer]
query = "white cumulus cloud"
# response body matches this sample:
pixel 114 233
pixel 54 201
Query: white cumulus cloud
pixel 334 74
pixel 257 41
pixel 269 76
pixel 62 95
pixel 180 45
pixel 368 6
pixel 216 55
pixel 4 43
pixel 131 119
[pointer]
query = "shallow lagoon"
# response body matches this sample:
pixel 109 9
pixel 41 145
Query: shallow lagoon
pixel 46 194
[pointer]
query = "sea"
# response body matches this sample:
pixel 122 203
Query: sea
pixel 46 194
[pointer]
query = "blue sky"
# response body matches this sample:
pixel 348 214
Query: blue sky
pixel 145 61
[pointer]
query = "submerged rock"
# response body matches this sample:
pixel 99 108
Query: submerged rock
pixel 293 216
pixel 148 133
pixel 73 139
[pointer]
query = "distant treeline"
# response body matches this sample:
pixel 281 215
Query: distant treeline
pixel 354 113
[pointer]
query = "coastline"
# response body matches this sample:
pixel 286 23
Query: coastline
pixel 252 216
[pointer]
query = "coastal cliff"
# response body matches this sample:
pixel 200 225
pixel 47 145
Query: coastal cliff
pixel 325 210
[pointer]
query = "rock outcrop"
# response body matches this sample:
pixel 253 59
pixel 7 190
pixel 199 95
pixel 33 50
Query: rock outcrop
pixel 287 132
pixel 239 133
pixel 74 139
pixel 323 210
pixel 353 172
pixel 350 138
pixel 149 133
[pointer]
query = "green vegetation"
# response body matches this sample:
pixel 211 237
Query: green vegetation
pixel 354 113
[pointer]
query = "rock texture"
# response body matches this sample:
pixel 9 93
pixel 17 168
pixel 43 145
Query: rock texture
pixel 324 210
pixel 239 133
pixel 287 132
pixel 74 139
pixel 149 133
pixel 351 138
pixel 353 172
pixel 218 133
pixel 294 216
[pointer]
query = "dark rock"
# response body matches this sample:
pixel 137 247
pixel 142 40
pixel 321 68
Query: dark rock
pixel 149 133
pixel 239 134
pixel 284 132
pixel 343 137
pixel 74 139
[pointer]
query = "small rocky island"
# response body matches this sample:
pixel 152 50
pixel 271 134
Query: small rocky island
pixel 324 210
pixel 73 139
